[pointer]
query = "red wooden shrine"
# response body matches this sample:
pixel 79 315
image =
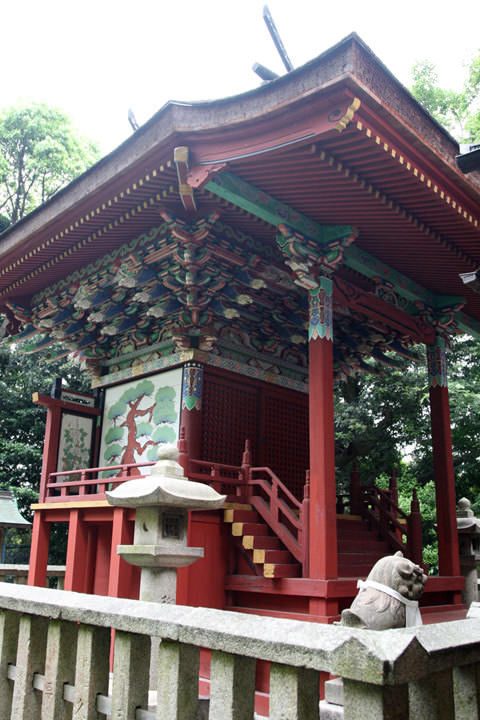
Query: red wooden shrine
pixel 217 275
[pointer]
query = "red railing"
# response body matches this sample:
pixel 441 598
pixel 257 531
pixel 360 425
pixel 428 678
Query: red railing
pixel 87 483
pixel 380 508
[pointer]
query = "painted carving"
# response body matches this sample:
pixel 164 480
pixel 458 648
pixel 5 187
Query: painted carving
pixel 437 364
pixel 192 387
pixel 138 417
pixel 75 444
pixel 321 311
pixel 389 595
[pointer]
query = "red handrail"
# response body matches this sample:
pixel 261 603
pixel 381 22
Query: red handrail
pixel 57 487
pixel 379 506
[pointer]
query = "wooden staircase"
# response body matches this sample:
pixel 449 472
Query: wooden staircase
pixel 265 550
pixel 359 547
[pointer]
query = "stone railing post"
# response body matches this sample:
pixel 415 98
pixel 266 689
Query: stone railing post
pixel 52 660
pixel 232 687
pixel 59 669
pixel 131 670
pixel 9 628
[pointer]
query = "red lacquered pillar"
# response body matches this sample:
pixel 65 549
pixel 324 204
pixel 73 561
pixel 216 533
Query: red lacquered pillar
pixel 76 572
pixel 448 555
pixel 323 517
pixel 120 578
pixel 191 419
pixel 37 572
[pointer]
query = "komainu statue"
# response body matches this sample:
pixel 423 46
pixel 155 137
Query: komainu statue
pixel 388 598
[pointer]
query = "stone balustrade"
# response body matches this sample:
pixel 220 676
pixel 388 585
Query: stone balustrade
pixel 18 574
pixel 55 662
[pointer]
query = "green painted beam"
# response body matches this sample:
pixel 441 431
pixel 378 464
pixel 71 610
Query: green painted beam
pixel 246 196
pixel 468 324
pixel 370 266
pixel 264 206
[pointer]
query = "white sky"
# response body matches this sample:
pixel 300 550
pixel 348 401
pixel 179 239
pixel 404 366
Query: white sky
pixel 96 58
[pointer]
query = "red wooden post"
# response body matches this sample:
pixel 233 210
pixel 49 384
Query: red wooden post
pixel 304 535
pixel 183 451
pixel 448 554
pixel 393 487
pixel 191 418
pixel 415 531
pixel 37 573
pixel 121 573
pixel 50 445
pixel 77 553
pixel 323 517
pixel 355 491
pixel 215 481
pixel 246 470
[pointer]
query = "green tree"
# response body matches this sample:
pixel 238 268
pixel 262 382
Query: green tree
pixel 383 423
pixel 458 111
pixel 39 154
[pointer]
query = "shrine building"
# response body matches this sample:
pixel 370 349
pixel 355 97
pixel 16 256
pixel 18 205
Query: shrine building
pixel 217 274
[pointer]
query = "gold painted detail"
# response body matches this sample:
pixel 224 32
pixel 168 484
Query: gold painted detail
pixel 259 556
pixel 402 160
pixel 348 117
pixel 70 505
pixel 247 542
pixel 236 506
pixel 228 515
pixel 394 206
pixel 237 529
pixel 89 216
pixel 269 570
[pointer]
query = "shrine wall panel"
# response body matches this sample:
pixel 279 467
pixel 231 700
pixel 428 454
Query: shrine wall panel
pixel 275 420
pixel 138 416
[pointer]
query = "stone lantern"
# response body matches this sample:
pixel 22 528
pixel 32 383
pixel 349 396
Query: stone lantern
pixel 468 528
pixel 162 501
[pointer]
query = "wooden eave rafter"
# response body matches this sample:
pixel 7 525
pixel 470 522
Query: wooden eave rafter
pixel 371 174
pixel 244 195
pixel 97 228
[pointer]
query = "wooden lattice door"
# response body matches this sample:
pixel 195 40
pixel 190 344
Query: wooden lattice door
pixel 230 416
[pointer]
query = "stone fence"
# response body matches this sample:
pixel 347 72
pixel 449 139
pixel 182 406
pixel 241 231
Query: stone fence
pixel 55 653
pixel 19 574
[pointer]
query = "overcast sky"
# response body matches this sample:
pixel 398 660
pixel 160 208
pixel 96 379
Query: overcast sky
pixel 96 58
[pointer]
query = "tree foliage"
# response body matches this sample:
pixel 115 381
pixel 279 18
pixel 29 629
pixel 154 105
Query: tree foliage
pixel 39 154
pixel 383 423
pixel 22 424
pixel 458 111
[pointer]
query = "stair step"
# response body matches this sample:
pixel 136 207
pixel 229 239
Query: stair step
pixel 349 522
pixel 357 531
pixel 240 528
pixel 354 570
pixel 358 558
pixel 281 570
pixel 443 613
pixel 232 515
pixel 261 542
pixel 380 546
pixel 272 556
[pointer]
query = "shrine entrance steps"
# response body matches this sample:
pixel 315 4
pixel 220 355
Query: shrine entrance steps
pixel 259 557
pixel 267 556
pixel 359 547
